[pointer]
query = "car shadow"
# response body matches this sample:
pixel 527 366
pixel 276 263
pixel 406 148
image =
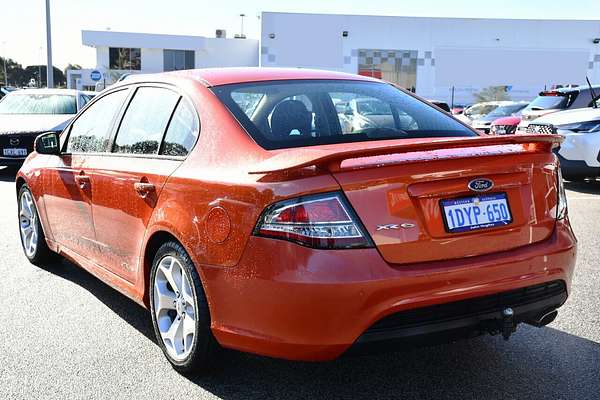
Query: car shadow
pixel 128 310
pixel 534 364
pixel 8 174
pixel 587 187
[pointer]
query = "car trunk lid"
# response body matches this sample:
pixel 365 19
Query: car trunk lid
pixel 397 191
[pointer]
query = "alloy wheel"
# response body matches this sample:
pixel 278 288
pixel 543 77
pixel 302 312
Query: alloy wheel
pixel 175 307
pixel 28 224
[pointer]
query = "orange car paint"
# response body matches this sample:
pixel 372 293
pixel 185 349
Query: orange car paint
pixel 277 298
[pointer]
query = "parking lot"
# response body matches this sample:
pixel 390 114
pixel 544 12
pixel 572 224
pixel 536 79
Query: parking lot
pixel 67 335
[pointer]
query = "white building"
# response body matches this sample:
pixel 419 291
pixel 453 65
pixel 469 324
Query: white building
pixel 433 55
pixel 118 53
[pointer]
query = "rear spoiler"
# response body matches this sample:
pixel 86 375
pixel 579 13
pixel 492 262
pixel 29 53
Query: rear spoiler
pixel 330 158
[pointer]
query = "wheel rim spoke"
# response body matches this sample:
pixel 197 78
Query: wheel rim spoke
pixel 174 307
pixel 28 224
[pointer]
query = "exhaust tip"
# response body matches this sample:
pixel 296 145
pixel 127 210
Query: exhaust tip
pixel 544 319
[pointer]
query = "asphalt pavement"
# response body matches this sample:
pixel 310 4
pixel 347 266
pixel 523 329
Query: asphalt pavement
pixel 66 335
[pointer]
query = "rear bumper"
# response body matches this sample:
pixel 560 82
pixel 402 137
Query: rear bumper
pixel 292 302
pixel 466 318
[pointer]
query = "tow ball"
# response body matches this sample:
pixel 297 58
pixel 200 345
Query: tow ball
pixel 508 323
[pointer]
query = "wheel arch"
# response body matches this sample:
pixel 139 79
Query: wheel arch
pixel 153 243
pixel 20 181
pixel 157 238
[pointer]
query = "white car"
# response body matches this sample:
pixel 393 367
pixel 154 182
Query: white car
pixel 479 110
pixel 579 154
pixel 24 114
pixel 557 100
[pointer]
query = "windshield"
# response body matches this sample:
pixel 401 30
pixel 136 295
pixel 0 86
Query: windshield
pixel 296 113
pixel 504 111
pixel 481 109
pixel 548 102
pixel 38 104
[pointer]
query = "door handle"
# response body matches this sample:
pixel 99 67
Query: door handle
pixel 143 188
pixel 83 181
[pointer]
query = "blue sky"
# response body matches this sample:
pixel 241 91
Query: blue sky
pixel 22 32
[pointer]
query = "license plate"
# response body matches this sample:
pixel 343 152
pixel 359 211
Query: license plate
pixel 15 152
pixel 476 212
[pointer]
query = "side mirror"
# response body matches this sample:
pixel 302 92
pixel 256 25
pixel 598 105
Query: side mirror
pixel 47 143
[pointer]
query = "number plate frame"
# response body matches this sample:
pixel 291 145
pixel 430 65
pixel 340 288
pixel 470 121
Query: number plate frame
pixel 481 197
pixel 14 152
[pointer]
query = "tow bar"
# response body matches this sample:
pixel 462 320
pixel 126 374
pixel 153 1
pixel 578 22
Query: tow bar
pixel 508 323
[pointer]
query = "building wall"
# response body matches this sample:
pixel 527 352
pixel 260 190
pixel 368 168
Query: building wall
pixel 467 54
pixel 209 52
pixel 228 53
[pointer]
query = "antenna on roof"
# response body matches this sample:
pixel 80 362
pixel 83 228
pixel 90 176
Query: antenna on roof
pixel 592 93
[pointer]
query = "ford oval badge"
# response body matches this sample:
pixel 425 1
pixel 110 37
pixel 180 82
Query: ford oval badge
pixel 481 185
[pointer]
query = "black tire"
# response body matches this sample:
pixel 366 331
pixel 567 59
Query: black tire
pixel 42 254
pixel 204 345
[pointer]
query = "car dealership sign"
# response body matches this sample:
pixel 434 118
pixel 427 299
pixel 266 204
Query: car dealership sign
pixel 95 75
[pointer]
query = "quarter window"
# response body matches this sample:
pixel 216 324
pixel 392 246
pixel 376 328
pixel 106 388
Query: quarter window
pixel 125 58
pixel 145 121
pixel 91 131
pixel 182 132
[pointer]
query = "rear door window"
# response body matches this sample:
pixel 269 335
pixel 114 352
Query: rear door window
pixel 145 120
pixel 295 113
pixel 91 131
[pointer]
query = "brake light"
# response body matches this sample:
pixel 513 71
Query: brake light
pixel 323 221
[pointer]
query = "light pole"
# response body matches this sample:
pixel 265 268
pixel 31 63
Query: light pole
pixel 49 69
pixel 242 32
pixel 4 58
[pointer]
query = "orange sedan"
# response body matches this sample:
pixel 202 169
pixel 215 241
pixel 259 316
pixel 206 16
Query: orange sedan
pixel 299 214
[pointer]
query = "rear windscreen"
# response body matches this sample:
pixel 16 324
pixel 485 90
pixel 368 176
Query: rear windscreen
pixel 284 114
pixel 548 102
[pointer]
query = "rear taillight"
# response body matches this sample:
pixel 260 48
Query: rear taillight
pixel 323 221
pixel 561 207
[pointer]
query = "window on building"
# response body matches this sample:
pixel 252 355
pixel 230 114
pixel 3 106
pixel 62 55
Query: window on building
pixel 175 60
pixel 125 58
pixel 145 121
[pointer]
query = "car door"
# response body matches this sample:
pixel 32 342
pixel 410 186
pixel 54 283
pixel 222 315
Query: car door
pixel 126 185
pixel 68 191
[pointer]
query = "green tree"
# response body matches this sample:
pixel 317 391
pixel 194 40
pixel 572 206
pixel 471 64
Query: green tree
pixel 14 70
pixel 71 66
pixel 33 71
pixel 492 93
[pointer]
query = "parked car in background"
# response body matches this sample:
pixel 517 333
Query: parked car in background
pixel 4 90
pixel 362 113
pixel 26 113
pixel 441 104
pixel 231 204
pixel 505 125
pixel 484 123
pixel 479 110
pixel 579 153
pixel 557 100
pixel 458 109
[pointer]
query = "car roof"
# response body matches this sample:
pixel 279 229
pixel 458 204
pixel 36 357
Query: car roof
pixel 225 76
pixel 574 89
